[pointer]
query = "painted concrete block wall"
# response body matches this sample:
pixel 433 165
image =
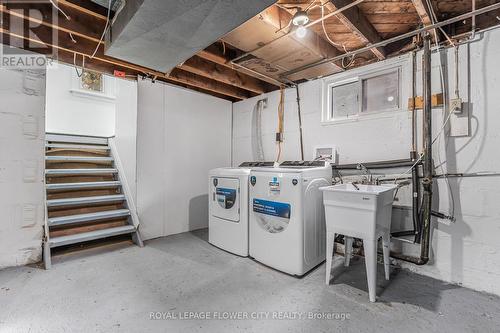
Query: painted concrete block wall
pixel 125 130
pixel 181 136
pixel 71 112
pixel 22 158
pixel 466 252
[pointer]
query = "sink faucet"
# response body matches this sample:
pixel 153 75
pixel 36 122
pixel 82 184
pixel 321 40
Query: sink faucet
pixel 369 176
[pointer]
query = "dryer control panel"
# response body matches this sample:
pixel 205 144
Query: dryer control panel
pixel 305 164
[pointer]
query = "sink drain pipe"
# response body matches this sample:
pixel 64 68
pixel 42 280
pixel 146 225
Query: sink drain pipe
pixel 425 218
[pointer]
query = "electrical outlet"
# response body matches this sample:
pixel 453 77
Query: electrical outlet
pixel 456 105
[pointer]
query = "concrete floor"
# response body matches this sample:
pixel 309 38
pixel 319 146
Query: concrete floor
pixel 116 291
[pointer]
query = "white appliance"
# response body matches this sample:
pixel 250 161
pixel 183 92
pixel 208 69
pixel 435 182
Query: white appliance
pixel 286 215
pixel 228 207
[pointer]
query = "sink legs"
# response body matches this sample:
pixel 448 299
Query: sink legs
pixel 348 250
pixel 330 240
pixel 370 249
pixel 386 244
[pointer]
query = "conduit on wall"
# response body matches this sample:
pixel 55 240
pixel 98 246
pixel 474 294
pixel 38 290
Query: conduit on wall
pixel 279 132
pixel 257 147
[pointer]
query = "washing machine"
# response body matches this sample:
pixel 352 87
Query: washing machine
pixel 228 207
pixel 286 215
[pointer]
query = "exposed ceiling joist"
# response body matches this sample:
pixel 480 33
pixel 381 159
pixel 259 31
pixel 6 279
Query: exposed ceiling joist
pixel 425 14
pixel 357 22
pixel 77 35
pixel 423 11
pixel 107 65
pixel 213 54
pixel 208 69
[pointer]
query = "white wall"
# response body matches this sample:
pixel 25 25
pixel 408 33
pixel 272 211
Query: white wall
pixel 22 158
pixel 466 252
pixel 181 135
pixel 126 130
pixel 71 111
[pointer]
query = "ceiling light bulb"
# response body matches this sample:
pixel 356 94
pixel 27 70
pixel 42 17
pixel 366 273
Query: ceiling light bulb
pixel 301 31
pixel 300 18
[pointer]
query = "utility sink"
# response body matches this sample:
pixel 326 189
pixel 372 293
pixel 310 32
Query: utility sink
pixel 358 210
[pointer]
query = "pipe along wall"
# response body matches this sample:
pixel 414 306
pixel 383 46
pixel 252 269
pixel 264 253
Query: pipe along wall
pixel 466 180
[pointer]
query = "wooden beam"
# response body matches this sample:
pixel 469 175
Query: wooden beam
pixel 81 44
pixel 357 22
pixel 93 28
pixel 423 11
pixel 280 18
pixel 108 64
pixel 212 54
pixel 84 7
pixel 211 70
pixel 191 79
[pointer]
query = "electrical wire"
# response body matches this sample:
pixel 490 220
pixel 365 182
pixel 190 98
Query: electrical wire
pixel 434 20
pixel 76 67
pixel 281 114
pixel 60 10
pixel 104 31
pixel 332 42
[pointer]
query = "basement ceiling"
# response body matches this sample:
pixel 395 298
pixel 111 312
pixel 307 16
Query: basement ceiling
pixel 238 65
pixel 160 34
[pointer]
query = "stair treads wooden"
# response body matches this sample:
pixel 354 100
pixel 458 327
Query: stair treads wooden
pixel 72 230
pixel 77 165
pixel 83 210
pixel 81 193
pixel 79 178
pixel 77 152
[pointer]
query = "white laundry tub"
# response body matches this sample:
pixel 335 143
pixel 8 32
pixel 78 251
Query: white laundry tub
pixel 358 213
pixel 361 211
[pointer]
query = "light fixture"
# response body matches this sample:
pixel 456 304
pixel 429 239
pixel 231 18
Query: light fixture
pixel 301 31
pixel 300 18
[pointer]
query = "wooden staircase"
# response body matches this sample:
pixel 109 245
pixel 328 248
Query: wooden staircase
pixel 85 199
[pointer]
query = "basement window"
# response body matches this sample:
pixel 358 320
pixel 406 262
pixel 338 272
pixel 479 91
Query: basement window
pixel 367 94
pixel 344 100
pixel 380 92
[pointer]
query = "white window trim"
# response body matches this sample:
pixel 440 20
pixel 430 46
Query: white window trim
pixel 370 75
pixel 401 63
pixel 328 116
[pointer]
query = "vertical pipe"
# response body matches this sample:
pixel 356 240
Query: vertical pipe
pixel 413 155
pixel 427 164
pixel 300 123
pixel 414 111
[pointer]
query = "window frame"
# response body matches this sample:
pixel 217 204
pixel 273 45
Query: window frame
pixel 402 64
pixel 389 70
pixel 331 86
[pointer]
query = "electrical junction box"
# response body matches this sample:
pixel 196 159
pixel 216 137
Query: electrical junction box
pixel 326 153
pixel 456 105
pixel 459 118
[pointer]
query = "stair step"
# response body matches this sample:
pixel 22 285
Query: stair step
pixel 82 186
pixel 65 172
pixel 91 235
pixel 73 219
pixel 85 200
pixel 76 139
pixel 91 159
pixel 75 146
